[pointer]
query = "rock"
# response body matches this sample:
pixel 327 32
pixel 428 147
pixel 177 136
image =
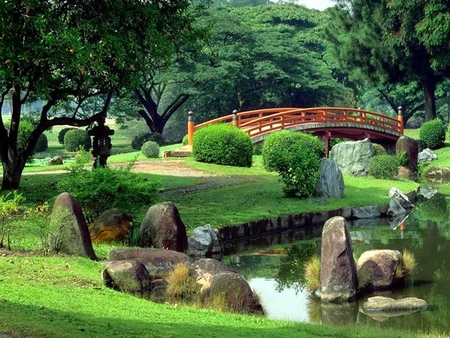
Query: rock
pixel 410 148
pixel 331 181
pixel 234 291
pixel 338 271
pixel 401 198
pixel 427 191
pixel 162 228
pixel 353 153
pixel 395 210
pixel 358 170
pixel 405 173
pixel 68 228
pixel 438 173
pixel 426 156
pixel 56 160
pixel 126 276
pixel 386 304
pixel 339 314
pixel 204 242
pixel 158 262
pixel 206 268
pixel 111 226
pixel 376 269
pixel 372 211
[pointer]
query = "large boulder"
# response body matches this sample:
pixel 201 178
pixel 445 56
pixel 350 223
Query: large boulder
pixel 426 156
pixel 69 232
pixel 111 226
pixel 205 269
pixel 397 195
pixel 56 160
pixel 204 242
pixel 162 228
pixel 371 211
pixel 351 156
pixel 234 291
pixel 158 262
pixel 390 305
pixel 338 270
pixel 331 181
pixel 376 269
pixel 410 148
pixel 126 276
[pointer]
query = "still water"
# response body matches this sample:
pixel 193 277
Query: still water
pixel 275 272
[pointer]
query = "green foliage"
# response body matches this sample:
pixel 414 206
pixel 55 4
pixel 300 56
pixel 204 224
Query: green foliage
pixel 184 142
pixel 150 149
pixel 383 166
pixel 432 134
pixel 296 157
pixel 42 143
pixel 105 188
pixel 378 149
pixel 77 138
pixel 257 149
pixel 434 209
pixel 62 133
pixel 402 158
pixel 223 144
pixel 138 141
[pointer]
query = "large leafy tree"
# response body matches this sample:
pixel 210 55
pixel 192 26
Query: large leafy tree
pixel 59 51
pixel 393 42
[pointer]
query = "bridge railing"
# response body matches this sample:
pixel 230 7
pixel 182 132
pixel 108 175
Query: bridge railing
pixel 263 121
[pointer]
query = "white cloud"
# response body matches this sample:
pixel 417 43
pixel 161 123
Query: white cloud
pixel 316 4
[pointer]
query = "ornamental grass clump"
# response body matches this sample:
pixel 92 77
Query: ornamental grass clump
pixel 296 157
pixel 312 274
pixel 406 267
pixel 223 144
pixel 180 283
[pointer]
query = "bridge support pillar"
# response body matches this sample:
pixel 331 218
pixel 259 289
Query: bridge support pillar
pixel 326 138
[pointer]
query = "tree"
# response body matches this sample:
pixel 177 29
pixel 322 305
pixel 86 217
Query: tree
pixel 393 42
pixel 59 51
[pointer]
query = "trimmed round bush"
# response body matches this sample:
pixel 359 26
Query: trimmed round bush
pixel 276 143
pixel 184 142
pixel 138 141
pixel 63 133
pixel 432 134
pixel 378 149
pixel 150 149
pixel 41 144
pixel 223 144
pixel 75 139
pixel 383 166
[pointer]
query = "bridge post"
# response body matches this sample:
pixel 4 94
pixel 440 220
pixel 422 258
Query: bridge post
pixel 326 138
pixel 400 119
pixel 234 121
pixel 190 127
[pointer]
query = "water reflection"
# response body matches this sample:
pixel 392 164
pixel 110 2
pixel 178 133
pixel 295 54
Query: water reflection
pixel 279 280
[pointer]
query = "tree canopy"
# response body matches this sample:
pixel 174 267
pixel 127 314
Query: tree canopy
pixel 59 51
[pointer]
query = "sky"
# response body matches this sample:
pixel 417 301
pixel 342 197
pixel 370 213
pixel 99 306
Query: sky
pixel 316 4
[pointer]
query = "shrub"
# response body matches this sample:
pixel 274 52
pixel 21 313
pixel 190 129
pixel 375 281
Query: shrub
pixel 77 138
pixel 383 166
pixel 63 133
pixel 138 141
pixel 257 149
pixel 105 188
pixel 150 149
pixel 312 274
pixel 276 143
pixel 180 283
pixel 379 149
pixel 432 134
pixel 223 144
pixel 184 142
pixel 42 143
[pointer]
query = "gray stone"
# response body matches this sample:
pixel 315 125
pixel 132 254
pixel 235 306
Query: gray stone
pixel 237 294
pixel 126 276
pixel 331 181
pixel 162 228
pixel 442 173
pixel 158 262
pixel 204 242
pixel 387 304
pixel 426 156
pixel 358 170
pixel 69 232
pixel 338 270
pixel 353 153
pixel 372 211
pixel 56 160
pixel 401 198
pixel 376 269
pixel 427 191
pixel 395 210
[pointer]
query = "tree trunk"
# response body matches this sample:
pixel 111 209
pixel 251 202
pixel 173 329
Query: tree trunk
pixel 12 173
pixel 429 88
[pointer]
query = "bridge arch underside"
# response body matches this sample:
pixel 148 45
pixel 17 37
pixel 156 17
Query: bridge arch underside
pixel 349 131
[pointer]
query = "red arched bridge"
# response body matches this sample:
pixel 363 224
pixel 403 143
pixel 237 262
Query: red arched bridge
pixel 326 122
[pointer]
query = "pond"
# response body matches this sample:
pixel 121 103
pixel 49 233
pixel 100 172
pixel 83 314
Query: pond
pixel 275 271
